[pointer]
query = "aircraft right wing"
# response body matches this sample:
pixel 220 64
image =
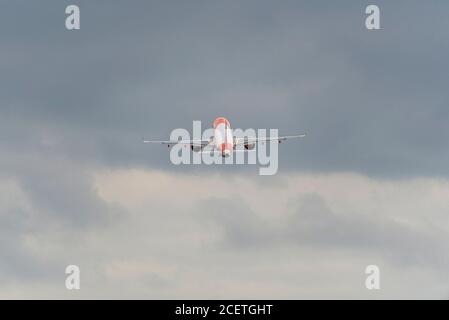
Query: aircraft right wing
pixel 246 140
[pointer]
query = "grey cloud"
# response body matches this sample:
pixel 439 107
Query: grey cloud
pixel 58 196
pixel 313 224
pixel 17 261
pixel 201 246
pixel 59 189
pixel 76 102
pixel 370 103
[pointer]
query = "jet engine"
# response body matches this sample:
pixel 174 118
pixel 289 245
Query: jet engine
pixel 196 148
pixel 249 146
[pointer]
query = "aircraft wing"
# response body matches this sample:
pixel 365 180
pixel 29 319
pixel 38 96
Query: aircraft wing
pixel 246 140
pixel 173 142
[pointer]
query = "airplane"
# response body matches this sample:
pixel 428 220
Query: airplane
pixel 223 140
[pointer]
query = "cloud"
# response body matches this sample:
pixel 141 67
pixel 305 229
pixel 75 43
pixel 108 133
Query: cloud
pixel 368 185
pixel 223 236
pixel 370 104
pixel 312 224
pixel 308 220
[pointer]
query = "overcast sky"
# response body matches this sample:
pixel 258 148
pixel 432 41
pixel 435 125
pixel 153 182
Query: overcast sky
pixel 369 184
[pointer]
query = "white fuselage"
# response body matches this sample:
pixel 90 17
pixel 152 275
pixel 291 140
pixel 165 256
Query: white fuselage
pixel 223 137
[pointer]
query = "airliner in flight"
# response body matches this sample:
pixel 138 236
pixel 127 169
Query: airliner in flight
pixel 223 141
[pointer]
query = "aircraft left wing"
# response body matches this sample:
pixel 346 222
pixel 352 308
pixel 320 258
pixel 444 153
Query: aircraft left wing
pixel 246 140
pixel 201 143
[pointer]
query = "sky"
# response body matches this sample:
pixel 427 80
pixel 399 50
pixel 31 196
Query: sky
pixel 368 185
